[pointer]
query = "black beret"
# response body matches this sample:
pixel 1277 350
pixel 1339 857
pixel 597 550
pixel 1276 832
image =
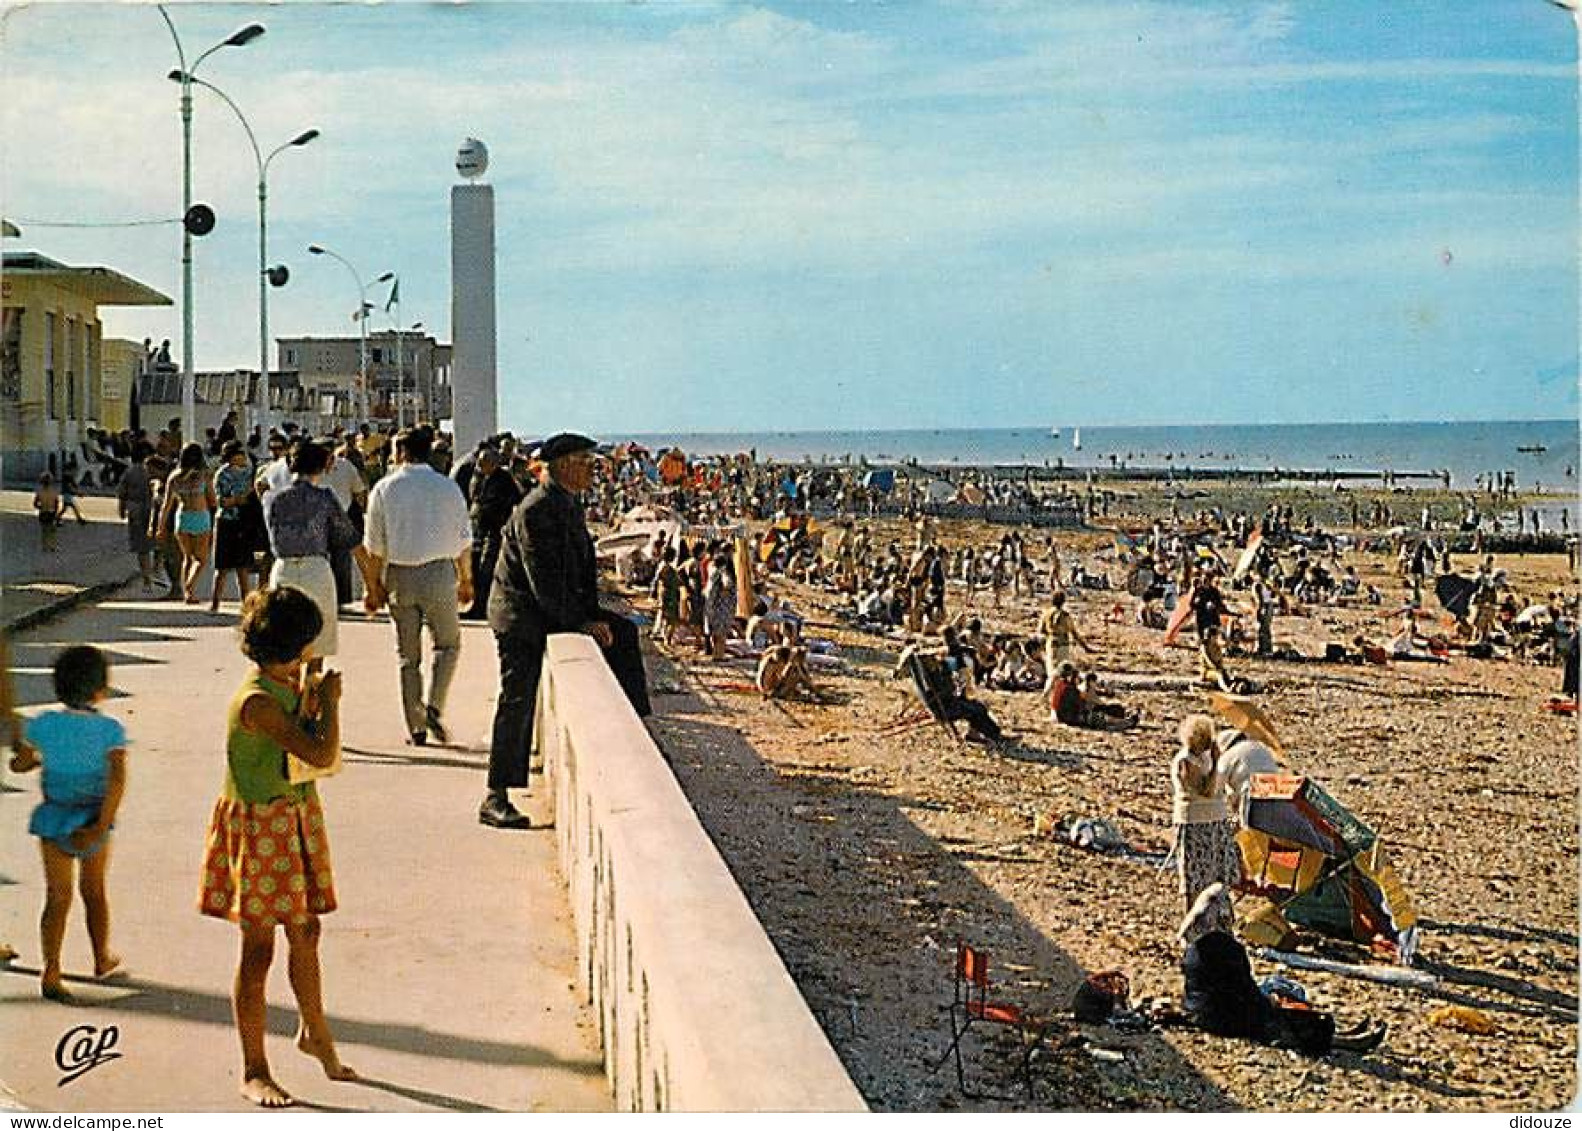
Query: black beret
pixel 565 444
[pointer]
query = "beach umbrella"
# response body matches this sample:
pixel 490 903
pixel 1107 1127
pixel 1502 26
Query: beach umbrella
pixel 1248 556
pixel 1455 593
pixel 1247 716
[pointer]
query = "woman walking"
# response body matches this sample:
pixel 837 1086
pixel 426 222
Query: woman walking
pixel 233 549
pixel 191 495
pixel 305 524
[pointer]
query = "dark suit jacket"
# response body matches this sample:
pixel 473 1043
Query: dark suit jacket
pixel 545 580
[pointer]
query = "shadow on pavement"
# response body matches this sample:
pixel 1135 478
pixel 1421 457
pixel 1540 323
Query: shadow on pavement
pixel 136 995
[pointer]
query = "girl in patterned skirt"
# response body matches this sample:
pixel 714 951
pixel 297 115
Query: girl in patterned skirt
pixel 268 862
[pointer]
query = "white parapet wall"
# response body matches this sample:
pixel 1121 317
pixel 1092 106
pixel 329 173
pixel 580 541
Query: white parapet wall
pixel 696 1010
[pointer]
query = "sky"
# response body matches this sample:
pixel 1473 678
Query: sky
pixel 923 214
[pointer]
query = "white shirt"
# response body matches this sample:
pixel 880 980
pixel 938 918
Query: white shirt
pixel 274 475
pixel 416 516
pixel 344 481
pixel 1236 767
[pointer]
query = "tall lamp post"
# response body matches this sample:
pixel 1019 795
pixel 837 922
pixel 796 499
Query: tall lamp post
pixel 362 321
pixel 266 274
pixel 241 38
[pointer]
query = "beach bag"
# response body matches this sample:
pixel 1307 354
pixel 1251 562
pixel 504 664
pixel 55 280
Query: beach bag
pixel 1100 995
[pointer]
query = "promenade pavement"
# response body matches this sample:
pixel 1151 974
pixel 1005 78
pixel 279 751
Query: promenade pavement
pixel 91 561
pixel 449 968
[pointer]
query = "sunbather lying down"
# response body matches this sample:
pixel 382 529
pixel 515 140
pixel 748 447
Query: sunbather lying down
pixel 1222 998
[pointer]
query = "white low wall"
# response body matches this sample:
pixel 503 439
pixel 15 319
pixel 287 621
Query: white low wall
pixel 696 1010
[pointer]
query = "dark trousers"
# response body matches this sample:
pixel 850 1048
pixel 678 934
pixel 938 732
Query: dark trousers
pixel 341 567
pixel 975 715
pixel 521 664
pixel 484 554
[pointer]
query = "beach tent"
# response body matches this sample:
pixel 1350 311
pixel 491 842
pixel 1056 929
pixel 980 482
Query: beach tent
pixel 1323 868
pixel 1455 593
pixel 939 491
pixel 972 495
pixel 883 480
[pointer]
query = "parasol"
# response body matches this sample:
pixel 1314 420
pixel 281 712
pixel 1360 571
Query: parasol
pixel 1244 713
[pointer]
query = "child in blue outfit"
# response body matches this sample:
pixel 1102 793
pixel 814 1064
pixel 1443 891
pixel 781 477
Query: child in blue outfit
pixel 83 754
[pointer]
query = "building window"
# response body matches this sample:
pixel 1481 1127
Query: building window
pixel 11 355
pixel 90 371
pixel 73 344
pixel 377 355
pixel 49 365
pixel 291 357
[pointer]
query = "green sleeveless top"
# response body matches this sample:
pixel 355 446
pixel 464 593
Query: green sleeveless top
pixel 255 764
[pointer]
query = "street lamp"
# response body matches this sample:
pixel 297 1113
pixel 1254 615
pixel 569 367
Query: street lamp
pixel 239 38
pixel 266 274
pixel 361 316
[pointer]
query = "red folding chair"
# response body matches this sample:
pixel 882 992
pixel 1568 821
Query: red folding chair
pixel 971 1004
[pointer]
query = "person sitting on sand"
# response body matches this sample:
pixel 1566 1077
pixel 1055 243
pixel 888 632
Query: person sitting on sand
pixel 1407 644
pixel 783 670
pixel 1221 997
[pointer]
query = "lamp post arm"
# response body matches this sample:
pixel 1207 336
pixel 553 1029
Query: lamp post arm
pixel 252 138
pixel 181 56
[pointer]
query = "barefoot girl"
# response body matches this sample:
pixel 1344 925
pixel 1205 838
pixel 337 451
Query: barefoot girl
pixel 268 860
pixel 84 758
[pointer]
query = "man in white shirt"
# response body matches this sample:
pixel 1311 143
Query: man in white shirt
pixel 345 482
pixel 418 536
pixel 276 474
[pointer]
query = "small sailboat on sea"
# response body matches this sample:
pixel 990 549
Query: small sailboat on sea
pixel 1076 439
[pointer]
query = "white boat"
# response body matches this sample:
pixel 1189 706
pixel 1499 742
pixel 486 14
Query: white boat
pixel 1055 433
pixel 1076 438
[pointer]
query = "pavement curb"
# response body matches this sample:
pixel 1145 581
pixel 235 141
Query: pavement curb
pixel 65 604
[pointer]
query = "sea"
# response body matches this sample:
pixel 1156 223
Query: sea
pixel 1466 449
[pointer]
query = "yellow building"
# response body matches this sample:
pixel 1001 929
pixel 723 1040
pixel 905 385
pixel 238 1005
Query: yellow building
pixel 52 356
pixel 121 360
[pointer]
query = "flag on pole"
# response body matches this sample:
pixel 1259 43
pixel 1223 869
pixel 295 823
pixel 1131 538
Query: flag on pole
pixel 395 295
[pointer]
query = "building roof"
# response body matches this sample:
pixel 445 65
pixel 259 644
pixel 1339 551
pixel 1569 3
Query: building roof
pixel 101 285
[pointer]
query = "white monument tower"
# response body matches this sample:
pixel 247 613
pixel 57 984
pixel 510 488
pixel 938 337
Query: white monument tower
pixel 474 406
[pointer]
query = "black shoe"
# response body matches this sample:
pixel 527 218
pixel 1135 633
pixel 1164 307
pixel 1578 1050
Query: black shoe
pixel 417 738
pixel 498 813
pixel 437 727
pixel 1363 1042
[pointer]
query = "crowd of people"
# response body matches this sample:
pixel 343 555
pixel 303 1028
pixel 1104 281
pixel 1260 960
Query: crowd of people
pixel 502 535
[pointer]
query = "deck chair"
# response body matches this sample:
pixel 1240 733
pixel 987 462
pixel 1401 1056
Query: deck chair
pixel 934 691
pixel 970 1004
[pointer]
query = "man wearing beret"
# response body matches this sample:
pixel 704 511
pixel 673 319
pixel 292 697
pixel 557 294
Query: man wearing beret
pixel 545 582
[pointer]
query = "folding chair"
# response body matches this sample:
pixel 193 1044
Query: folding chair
pixel 935 698
pixel 970 1003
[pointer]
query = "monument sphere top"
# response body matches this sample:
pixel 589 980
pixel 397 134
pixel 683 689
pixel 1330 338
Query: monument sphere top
pixel 472 158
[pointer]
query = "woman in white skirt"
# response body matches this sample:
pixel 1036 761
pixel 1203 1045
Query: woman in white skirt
pixel 306 523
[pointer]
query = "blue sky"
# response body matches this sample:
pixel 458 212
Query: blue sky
pixel 750 216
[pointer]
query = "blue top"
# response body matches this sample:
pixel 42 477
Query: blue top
pixel 74 745
pixel 306 521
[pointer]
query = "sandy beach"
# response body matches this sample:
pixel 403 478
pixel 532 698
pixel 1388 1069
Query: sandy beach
pixel 868 854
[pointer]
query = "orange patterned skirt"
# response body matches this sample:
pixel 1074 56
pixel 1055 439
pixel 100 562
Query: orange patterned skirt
pixel 267 863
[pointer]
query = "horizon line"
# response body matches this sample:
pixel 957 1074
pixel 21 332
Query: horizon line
pixel 737 431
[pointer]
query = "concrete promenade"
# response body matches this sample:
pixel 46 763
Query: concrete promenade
pixel 91 558
pixel 449 968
